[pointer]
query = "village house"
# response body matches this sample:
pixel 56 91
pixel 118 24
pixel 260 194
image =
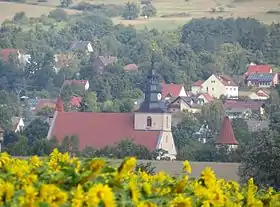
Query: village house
pixel 149 126
pixel 17 124
pixel 262 80
pixel 172 90
pixel 5 55
pixel 205 98
pixel 217 86
pixel 38 104
pixel 130 68
pixel 62 60
pixel 259 95
pixel 253 68
pixel 184 104
pixel 101 62
pixel 226 135
pixel 83 83
pixel 82 46
pixel 243 109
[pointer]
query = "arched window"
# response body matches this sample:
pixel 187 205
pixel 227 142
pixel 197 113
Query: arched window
pixel 149 121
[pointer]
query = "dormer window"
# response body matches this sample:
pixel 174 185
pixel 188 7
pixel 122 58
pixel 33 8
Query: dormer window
pixel 149 121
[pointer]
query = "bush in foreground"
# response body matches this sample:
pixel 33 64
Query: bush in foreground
pixel 63 181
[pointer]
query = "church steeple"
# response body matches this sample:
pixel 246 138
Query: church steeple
pixel 153 94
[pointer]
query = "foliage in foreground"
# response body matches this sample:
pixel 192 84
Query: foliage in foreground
pixel 63 181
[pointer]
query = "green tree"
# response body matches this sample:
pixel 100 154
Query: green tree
pixel 149 10
pixel 70 144
pixel 131 11
pixel 66 3
pixel 260 159
pixel 89 103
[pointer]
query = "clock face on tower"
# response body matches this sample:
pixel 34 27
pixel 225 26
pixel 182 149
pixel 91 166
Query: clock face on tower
pixel 159 96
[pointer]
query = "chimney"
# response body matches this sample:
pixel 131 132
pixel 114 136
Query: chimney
pixel 59 105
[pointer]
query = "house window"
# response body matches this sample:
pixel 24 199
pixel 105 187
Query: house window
pixel 212 81
pixel 212 89
pixel 234 89
pixel 149 121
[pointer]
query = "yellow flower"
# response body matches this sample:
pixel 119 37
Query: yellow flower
pixel 181 201
pixel 4 159
pixel 187 166
pixel 30 197
pixel 147 188
pixel 52 195
pixel 133 191
pixel 180 186
pixel 127 166
pixel 35 161
pixel 78 197
pixel 98 193
pixel 146 204
pixel 209 177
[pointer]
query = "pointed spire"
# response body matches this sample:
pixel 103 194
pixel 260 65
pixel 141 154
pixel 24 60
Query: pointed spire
pixel 59 105
pixel 226 135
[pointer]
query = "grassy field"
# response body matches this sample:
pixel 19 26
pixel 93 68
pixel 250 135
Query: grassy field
pixel 171 14
pixel 8 10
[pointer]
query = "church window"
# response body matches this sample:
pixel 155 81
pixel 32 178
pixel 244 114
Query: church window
pixel 149 121
pixel 167 122
pixel 166 139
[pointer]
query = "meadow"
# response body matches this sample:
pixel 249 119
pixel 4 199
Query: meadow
pixel 170 14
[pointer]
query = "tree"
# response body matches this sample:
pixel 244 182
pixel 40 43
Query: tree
pixel 66 3
pixel 131 11
pixel 149 10
pixel 59 14
pixel 261 159
pixel 37 129
pixel 70 144
pixel 89 103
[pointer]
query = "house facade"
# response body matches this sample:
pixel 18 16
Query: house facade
pixel 17 124
pixel 149 126
pixel 262 80
pixel 184 104
pixel 220 85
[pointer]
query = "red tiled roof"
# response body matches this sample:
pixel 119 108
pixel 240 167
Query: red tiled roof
pixel 101 129
pixel 226 135
pixel 171 89
pixel 198 83
pixel 254 105
pixel 59 105
pixel 41 103
pixel 4 53
pixel 226 80
pixel 208 97
pixel 131 67
pixel 258 69
pixel 76 101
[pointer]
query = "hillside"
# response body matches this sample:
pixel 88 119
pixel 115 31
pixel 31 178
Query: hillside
pixel 170 15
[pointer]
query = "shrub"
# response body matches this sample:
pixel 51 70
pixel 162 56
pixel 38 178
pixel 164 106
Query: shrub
pixel 63 181
pixel 59 15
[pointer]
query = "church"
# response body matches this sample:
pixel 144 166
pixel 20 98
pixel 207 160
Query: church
pixel 149 126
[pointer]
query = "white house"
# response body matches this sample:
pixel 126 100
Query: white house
pixel 220 85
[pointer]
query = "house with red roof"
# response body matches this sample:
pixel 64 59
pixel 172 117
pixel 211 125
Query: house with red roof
pixel 253 68
pixel 82 83
pixel 219 85
pixel 205 98
pixel 6 53
pixel 130 68
pixel 149 126
pixel 172 90
pixel 226 135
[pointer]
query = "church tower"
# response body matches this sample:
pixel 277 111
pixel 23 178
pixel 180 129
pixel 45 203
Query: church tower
pixel 154 116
